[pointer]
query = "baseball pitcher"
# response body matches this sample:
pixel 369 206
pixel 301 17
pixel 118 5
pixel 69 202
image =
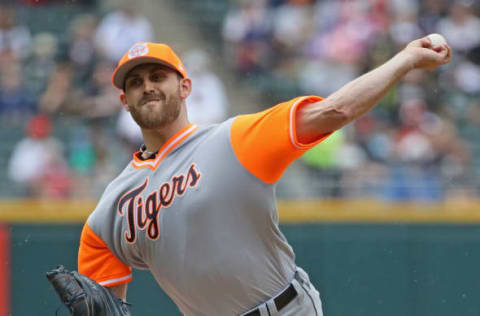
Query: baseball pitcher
pixel 196 205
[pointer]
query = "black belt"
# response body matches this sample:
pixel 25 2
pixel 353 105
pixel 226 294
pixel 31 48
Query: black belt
pixel 280 301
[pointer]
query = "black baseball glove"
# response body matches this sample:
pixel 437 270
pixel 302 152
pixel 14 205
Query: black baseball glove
pixel 85 297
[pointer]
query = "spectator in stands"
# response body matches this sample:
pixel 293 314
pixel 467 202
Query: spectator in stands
pixel 100 101
pixel 292 27
pixel 37 162
pixel 14 39
pixel 100 105
pixel 15 104
pixel 334 55
pixel 356 170
pixel 426 147
pixel 466 76
pixel 207 102
pixel 247 33
pixel 60 97
pixel 413 86
pixel 414 157
pixel 431 13
pixel 461 27
pixel 405 22
pixel 81 47
pixel 412 144
pixel 40 65
pixel 120 29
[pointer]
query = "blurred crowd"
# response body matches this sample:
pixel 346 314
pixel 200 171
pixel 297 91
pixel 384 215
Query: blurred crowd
pixel 420 141
pixel 67 134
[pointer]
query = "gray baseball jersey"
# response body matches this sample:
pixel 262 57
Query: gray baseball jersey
pixel 201 215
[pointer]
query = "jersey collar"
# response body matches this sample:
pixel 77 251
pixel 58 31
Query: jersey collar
pixel 171 144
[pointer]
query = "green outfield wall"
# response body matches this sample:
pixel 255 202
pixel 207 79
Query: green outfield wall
pixel 395 267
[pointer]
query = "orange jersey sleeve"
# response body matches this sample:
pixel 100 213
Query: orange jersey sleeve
pixel 266 143
pixel 96 261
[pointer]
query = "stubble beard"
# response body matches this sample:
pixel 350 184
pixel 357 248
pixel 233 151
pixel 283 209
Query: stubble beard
pixel 153 116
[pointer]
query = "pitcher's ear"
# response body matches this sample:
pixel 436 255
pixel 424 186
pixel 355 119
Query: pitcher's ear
pixel 123 99
pixel 185 87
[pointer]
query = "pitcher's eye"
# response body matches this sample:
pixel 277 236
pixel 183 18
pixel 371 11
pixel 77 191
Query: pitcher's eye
pixel 157 77
pixel 134 82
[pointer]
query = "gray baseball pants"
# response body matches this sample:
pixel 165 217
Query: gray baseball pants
pixel 306 303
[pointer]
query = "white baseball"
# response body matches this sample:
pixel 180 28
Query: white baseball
pixel 437 39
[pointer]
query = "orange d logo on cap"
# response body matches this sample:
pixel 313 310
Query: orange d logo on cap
pixel 143 53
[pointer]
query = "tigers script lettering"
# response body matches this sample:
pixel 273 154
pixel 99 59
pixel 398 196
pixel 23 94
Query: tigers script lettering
pixel 142 212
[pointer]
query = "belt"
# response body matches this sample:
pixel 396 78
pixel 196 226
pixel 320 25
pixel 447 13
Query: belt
pixel 280 301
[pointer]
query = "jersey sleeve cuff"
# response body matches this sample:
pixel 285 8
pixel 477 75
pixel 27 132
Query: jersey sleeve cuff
pixel 116 281
pixel 298 104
